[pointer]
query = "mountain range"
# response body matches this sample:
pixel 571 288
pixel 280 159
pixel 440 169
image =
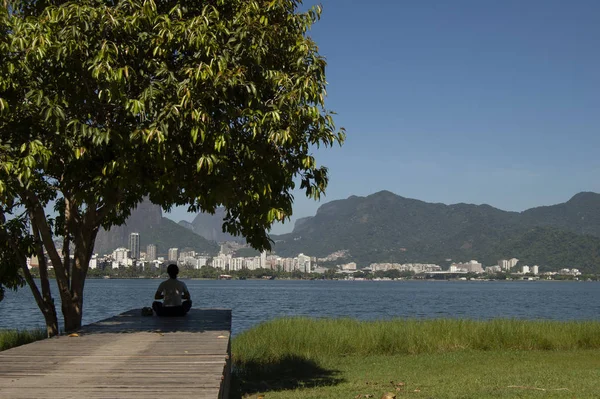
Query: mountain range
pixel 385 227
pixel 210 226
pixel 155 229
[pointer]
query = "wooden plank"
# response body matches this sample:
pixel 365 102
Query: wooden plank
pixel 126 356
pixel 208 393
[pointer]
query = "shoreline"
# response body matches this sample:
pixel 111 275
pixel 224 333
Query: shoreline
pixel 348 280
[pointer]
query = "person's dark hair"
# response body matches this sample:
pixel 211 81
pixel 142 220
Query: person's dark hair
pixel 173 270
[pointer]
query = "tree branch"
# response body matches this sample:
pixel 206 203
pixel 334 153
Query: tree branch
pixel 42 231
pixel 66 242
pixel 22 259
pixel 43 265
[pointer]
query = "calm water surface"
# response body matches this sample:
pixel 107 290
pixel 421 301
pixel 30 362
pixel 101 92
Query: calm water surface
pixel 254 301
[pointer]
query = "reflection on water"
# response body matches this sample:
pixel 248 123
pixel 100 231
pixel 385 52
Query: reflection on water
pixel 254 301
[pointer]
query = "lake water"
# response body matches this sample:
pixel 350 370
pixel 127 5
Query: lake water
pixel 253 301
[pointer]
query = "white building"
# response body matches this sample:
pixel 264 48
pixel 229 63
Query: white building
pixel 173 254
pixel 94 262
pixel 263 259
pixel 195 262
pixel 348 266
pixel 120 255
pixel 525 269
pixel 472 267
pixel 493 269
pixel 253 263
pixel 535 270
pixel 288 264
pixel 236 264
pixel 221 261
pixel 304 263
pixel 186 254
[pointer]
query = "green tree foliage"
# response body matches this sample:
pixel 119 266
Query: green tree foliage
pixel 194 103
pixel 10 255
pixel 330 273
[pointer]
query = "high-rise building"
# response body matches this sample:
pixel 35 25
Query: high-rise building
pixel 134 245
pixel 151 252
pixel 263 259
pixel 504 264
pixel 535 269
pixel 173 254
pixel 304 263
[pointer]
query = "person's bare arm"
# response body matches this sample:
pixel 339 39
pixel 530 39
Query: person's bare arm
pixel 159 293
pixel 186 293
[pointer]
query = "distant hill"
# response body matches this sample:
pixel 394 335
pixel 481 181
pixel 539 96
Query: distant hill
pixel 211 227
pixel 581 214
pixel 147 220
pixel 387 227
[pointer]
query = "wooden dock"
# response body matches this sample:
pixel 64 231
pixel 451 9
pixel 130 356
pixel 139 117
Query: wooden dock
pixel 126 356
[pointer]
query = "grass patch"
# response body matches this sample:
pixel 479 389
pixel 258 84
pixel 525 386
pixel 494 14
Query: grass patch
pixel 315 338
pixel 11 338
pixel 467 374
pixel 337 358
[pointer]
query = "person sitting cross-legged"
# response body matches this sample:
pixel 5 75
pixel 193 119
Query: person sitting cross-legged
pixel 172 291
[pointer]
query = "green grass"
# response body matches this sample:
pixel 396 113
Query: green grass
pixel 314 338
pixel 467 374
pixel 12 338
pixel 325 358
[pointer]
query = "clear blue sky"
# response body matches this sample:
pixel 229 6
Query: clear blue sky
pixel 494 102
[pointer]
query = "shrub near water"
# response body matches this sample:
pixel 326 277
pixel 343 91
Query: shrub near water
pixel 12 338
pixel 316 338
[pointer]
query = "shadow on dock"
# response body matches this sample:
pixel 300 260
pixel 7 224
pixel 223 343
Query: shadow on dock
pixel 286 374
pixel 197 320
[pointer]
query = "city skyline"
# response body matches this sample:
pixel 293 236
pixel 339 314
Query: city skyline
pixel 123 257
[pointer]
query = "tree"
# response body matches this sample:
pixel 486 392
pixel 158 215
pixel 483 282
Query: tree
pixel 362 274
pixel 209 272
pixel 392 273
pixel 191 103
pixel 330 273
pixel 244 273
pixel 297 273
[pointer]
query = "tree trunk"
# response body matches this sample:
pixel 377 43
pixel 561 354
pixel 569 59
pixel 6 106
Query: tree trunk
pixel 44 302
pixel 72 312
pixel 73 305
pixel 70 276
pixel 84 239
pixel 51 320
